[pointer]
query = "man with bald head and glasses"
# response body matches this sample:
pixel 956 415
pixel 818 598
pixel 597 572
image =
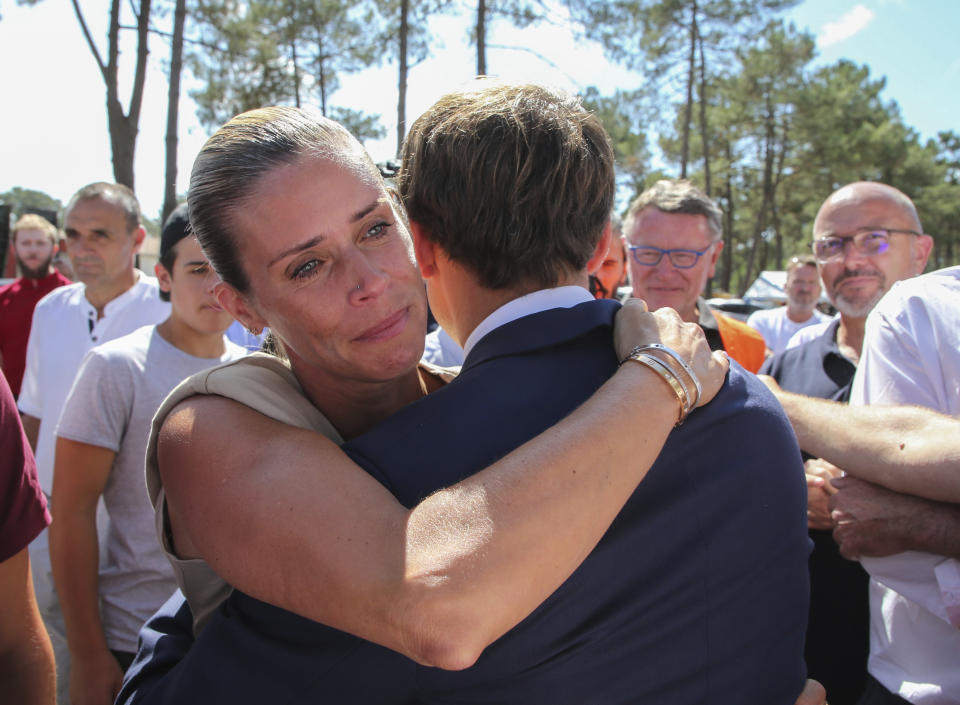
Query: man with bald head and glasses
pixel 674 236
pixel 866 236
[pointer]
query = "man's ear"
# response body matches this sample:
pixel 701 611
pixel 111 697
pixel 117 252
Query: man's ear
pixel 601 250
pixel 921 253
pixel 424 249
pixel 138 236
pixel 714 256
pixel 237 306
pixel 163 277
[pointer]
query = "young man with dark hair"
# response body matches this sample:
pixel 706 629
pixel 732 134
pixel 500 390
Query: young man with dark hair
pixel 101 442
pixel 34 245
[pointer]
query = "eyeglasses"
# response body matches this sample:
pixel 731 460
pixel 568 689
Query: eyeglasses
pixel 681 259
pixel 874 241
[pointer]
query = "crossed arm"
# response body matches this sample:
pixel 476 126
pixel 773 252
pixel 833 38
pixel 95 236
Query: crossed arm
pixel 904 468
pixel 907 449
pixel 438 582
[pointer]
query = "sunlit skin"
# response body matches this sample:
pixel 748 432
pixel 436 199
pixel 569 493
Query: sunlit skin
pixel 101 249
pixel 612 272
pixel 855 282
pixel 332 274
pixel 197 319
pixel 34 251
pixel 663 284
pixel 802 289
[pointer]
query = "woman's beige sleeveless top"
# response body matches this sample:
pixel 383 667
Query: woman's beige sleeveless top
pixel 265 384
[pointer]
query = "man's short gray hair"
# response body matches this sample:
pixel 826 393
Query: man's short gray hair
pixel 677 196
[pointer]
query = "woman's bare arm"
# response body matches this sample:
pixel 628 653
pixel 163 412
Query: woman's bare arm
pixel 284 515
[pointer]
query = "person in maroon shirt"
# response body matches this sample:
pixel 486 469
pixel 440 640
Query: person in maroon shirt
pixel 26 658
pixel 34 244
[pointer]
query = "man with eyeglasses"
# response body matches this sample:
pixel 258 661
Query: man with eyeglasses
pixel 866 236
pixel 673 234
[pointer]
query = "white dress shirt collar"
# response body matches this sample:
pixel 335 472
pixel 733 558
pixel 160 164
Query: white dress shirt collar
pixel 534 302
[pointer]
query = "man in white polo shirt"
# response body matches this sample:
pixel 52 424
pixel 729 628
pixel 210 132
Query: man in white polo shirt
pixel 111 299
pixel 777 325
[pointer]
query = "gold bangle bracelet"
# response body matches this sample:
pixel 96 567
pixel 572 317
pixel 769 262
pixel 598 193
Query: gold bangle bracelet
pixel 668 376
pixel 657 347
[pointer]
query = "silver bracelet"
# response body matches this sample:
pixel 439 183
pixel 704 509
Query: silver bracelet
pixel 680 361
pixel 664 371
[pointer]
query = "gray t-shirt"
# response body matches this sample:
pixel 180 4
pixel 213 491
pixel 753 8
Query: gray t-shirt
pixel 117 391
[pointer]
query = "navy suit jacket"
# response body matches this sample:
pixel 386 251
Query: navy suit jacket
pixel 696 594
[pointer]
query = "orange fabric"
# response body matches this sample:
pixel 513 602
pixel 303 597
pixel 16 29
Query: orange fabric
pixel 742 343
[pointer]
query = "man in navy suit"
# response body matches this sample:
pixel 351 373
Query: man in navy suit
pixel 698 591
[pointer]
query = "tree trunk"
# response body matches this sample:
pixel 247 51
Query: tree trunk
pixel 688 108
pixel 296 72
pixel 173 108
pixel 761 221
pixel 481 37
pixel 123 127
pixel 728 225
pixel 321 76
pixel 774 206
pixel 704 131
pixel 402 77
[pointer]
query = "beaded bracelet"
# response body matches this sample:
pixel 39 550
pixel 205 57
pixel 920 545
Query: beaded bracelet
pixel 680 361
pixel 669 376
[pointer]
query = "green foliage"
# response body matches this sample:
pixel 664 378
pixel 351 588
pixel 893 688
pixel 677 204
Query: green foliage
pixel 20 199
pixel 519 13
pixel 270 52
pixel 621 115
pixel 782 136
pixel 361 125
pixel 419 37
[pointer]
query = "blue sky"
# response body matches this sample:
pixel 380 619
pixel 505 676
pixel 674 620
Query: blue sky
pixel 54 123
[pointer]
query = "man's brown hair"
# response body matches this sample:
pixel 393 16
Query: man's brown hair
pixel 32 221
pixel 801 261
pixel 514 182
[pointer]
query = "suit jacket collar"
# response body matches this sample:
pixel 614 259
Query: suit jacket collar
pixel 542 330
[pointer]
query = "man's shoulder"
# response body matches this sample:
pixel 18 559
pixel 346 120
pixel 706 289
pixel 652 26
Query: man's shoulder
pixel 145 283
pixel 926 290
pixel 61 297
pixel 518 380
pixel 145 289
pixel 131 345
pixel 790 358
pixel 808 333
pixel 766 315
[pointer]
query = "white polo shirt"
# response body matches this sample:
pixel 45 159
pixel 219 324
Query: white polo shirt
pixel 64 328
